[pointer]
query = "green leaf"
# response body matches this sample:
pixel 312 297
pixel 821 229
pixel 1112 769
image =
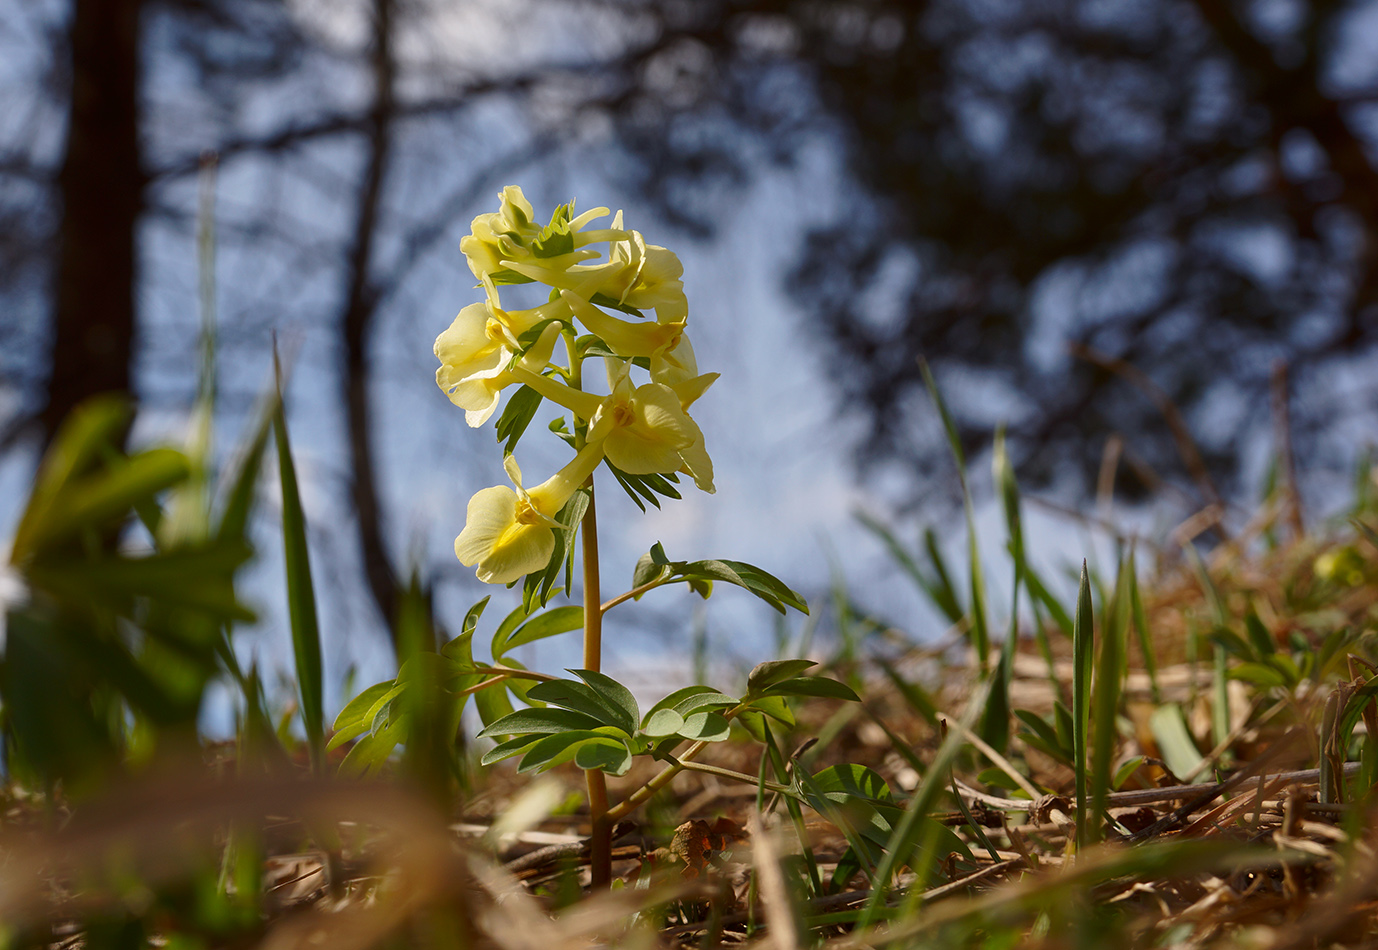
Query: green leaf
pixel 689 698
pixel 647 570
pixel 556 750
pixel 543 721
pixel 980 636
pixel 104 496
pixel 1262 675
pixel 239 496
pixel 615 692
pixel 358 713
pixel 548 624
pixel 301 597
pixel 820 686
pixel 197 577
pixel 1259 636
pixel 1233 643
pixel 767 674
pixel 661 723
pixel 1083 655
pixel 705 727
pixel 91 428
pixel 775 707
pixel 1169 728
pixel 853 780
pixel 539 586
pixel 492 703
pixel 606 754
pixel 853 796
pixel 1127 769
pixel 1043 736
pixel 505 750
pixel 938 591
pixel 583 698
pixel 516 416
pixel 914 694
pixel 711 699
pixel 764 585
pixel 371 752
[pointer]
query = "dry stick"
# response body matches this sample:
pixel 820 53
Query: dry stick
pixel 600 834
pixel 1153 796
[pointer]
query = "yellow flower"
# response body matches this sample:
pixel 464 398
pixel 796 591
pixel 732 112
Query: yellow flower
pixel 648 278
pixel 636 274
pixel 476 349
pixel 644 429
pixel 512 234
pixel 511 533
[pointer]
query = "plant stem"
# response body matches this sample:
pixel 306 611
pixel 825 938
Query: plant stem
pixel 738 777
pixel 600 837
pixel 635 592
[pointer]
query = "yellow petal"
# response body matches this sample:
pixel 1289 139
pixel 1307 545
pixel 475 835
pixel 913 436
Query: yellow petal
pixel 690 390
pixel 674 362
pixel 491 512
pixel 493 539
pixel 521 550
pixel 623 337
pixel 698 465
pixel 639 456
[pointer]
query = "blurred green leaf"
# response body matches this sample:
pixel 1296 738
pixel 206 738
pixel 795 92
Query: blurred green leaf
pixel 548 624
pixel 301 600
pixel 819 686
pixel 767 674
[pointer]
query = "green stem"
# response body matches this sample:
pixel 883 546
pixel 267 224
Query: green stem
pixel 600 837
pixel 738 777
pixel 682 762
pixel 635 592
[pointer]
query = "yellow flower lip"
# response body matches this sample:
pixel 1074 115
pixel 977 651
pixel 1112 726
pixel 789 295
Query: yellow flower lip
pixel 509 532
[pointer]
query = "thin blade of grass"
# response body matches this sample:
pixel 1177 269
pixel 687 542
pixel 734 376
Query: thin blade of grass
pixel 979 633
pixel 905 835
pixel 301 596
pixel 1140 616
pixel 1083 651
pixel 1109 677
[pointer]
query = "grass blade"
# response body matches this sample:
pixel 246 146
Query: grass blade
pixel 1109 676
pixel 301 596
pixel 1083 651
pixel 979 633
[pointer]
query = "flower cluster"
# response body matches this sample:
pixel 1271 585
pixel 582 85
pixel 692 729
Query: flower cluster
pixel 640 429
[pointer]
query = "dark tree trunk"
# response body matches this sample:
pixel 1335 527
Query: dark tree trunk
pixel 100 184
pixel 360 308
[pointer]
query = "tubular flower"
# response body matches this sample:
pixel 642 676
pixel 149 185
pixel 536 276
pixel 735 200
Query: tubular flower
pixel 649 277
pixel 511 533
pixel 476 349
pixel 511 235
pixel 636 274
pixel 509 228
pixel 643 429
pixel 665 344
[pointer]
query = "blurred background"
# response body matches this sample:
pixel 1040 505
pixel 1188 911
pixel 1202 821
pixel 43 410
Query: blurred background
pixel 1142 235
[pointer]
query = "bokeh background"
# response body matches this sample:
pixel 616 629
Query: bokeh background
pixel 1144 235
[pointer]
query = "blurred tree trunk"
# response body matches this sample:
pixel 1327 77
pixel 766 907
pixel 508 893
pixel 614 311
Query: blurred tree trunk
pixel 360 307
pixel 101 192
